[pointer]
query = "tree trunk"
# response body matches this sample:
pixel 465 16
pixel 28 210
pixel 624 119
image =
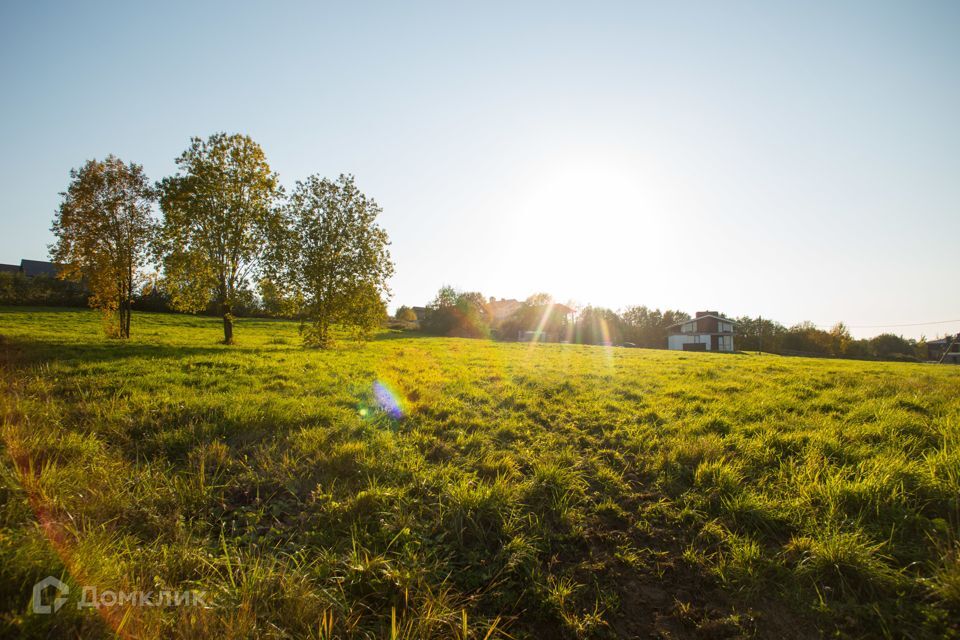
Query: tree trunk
pixel 227 323
pixel 122 318
pixel 123 315
pixel 126 328
pixel 126 325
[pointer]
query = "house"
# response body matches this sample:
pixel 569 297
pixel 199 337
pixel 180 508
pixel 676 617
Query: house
pixel 9 268
pixel 946 349
pixel 32 268
pixel 420 312
pixel 708 331
pixel 500 310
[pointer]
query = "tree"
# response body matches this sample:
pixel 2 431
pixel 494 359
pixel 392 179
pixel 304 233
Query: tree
pixel 332 258
pixel 649 328
pixel 888 345
pixel 597 325
pixel 755 334
pixel 406 314
pixel 537 313
pixel 458 314
pixel 104 227
pixel 840 339
pixel 217 213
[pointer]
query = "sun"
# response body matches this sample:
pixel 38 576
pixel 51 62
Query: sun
pixel 585 220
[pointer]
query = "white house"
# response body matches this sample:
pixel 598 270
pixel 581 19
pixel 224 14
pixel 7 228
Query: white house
pixel 706 332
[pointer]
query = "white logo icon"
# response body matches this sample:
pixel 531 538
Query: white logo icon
pixel 58 601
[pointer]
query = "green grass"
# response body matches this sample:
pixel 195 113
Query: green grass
pixel 540 492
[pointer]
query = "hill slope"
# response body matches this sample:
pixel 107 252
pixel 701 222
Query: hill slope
pixel 445 486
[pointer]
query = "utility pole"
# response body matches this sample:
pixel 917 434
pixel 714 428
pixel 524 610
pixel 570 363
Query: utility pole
pixel 949 347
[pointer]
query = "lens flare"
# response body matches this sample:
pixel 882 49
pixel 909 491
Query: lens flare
pixel 387 400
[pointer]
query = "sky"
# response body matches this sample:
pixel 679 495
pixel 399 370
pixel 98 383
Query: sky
pixel 798 161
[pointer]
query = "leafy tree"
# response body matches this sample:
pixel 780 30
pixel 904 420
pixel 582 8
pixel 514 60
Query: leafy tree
pixel 332 258
pixel 273 302
pixel 805 337
pixel 406 314
pixel 887 345
pixel 104 227
pixel 648 327
pixel 537 313
pixel 457 313
pixel 18 289
pixel 597 325
pixel 840 339
pixel 754 334
pixel 217 213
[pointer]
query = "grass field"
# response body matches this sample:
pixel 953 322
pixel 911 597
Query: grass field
pixel 419 487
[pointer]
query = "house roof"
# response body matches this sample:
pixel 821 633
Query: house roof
pixel 9 268
pixel 502 308
pixel 38 268
pixel 707 315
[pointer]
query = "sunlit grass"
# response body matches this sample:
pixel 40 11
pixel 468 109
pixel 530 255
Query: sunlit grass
pixel 552 491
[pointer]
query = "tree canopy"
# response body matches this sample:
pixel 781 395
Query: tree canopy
pixel 104 227
pixel 332 258
pixel 218 211
pixel 461 314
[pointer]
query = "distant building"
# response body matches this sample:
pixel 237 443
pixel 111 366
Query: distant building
pixel 421 313
pixel 708 331
pixel 947 348
pixel 32 268
pixel 501 309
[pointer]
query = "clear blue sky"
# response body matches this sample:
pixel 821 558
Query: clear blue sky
pixel 799 162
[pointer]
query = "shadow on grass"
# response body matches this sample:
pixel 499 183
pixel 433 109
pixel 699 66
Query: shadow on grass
pixel 23 352
pixel 406 334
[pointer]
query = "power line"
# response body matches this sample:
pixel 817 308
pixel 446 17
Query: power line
pixel 887 326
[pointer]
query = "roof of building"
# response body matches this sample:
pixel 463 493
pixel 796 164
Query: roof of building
pixel 38 268
pixel 502 308
pixel 706 315
pixel 9 268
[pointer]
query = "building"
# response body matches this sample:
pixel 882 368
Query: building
pixel 708 331
pixel 32 268
pixel 500 310
pixel 947 349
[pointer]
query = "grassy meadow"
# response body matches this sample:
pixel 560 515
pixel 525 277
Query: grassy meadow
pixel 417 487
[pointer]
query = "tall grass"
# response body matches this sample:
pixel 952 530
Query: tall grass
pixel 508 491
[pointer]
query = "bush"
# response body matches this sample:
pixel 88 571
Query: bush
pixel 457 314
pixel 19 290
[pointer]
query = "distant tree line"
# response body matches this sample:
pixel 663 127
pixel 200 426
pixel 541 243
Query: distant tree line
pixel 227 240
pixel 805 338
pixel 471 315
pixel 41 291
